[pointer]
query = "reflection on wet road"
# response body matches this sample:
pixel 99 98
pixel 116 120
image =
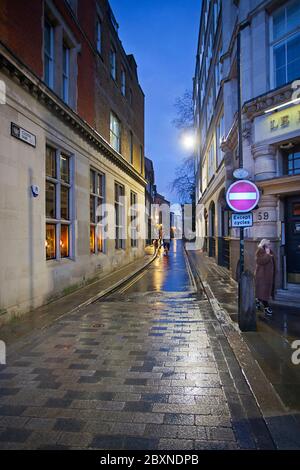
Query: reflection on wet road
pixel 167 273
pixel 271 346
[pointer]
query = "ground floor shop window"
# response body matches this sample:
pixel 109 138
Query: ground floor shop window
pixel 119 216
pixel 96 211
pixel 133 219
pixel 58 204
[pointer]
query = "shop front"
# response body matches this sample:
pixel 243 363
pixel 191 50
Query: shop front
pixel 276 167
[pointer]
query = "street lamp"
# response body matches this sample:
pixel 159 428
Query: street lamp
pixel 188 140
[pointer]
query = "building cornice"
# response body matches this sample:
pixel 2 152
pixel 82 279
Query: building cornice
pixel 230 142
pixel 288 184
pixel 273 98
pixel 13 67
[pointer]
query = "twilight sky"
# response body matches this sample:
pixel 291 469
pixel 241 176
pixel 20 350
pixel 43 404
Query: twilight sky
pixel 162 35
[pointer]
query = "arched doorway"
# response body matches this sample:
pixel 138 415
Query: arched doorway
pixel 223 232
pixel 205 246
pixel 212 230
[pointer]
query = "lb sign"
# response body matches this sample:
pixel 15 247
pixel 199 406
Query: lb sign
pixel 242 196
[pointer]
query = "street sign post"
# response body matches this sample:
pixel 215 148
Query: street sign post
pixel 242 196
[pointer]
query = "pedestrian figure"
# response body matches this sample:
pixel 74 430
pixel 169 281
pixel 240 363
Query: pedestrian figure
pixel 265 275
pixel 167 245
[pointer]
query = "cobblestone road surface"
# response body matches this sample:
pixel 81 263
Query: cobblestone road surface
pixel 148 368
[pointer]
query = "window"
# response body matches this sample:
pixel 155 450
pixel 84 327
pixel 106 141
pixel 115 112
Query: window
pixel 220 135
pixel 141 159
pixel 210 106
pixel 131 148
pixel 285 43
pixel 211 162
pixel 130 96
pixel 113 63
pixel 115 132
pixel 66 74
pixel 120 216
pixel 58 206
pixel 133 219
pixel 96 211
pixel 99 36
pixel 123 82
pixel 204 174
pixel 217 7
pixel 218 72
pixel 49 54
pixel 73 4
pixel 293 163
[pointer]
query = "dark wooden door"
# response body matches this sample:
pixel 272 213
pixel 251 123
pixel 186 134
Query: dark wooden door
pixel 293 238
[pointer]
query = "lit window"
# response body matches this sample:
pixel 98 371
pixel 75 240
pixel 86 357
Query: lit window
pixel 96 211
pixel 58 209
pixel 49 54
pixel 133 219
pixel 99 36
pixel 285 43
pixel 113 64
pixel 66 74
pixel 119 216
pixel 115 132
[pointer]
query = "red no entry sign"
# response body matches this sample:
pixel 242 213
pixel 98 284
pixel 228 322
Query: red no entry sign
pixel 242 196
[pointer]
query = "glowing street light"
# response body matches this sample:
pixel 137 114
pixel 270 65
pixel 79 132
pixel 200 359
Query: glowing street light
pixel 188 140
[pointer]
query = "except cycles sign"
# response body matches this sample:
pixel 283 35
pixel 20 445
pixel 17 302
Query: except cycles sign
pixel 242 196
pixel 242 220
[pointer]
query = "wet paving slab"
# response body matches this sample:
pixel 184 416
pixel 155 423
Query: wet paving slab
pixel 147 368
pixel 271 344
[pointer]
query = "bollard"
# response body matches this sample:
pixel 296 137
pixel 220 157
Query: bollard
pixel 247 307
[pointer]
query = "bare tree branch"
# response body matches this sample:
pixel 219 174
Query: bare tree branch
pixel 184 182
pixel 184 111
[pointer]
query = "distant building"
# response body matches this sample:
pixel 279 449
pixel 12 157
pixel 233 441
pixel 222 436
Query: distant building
pixel 72 138
pixel 150 192
pixel 270 68
pixel 162 215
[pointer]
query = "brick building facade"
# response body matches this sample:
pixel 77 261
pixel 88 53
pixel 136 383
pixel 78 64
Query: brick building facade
pixel 71 139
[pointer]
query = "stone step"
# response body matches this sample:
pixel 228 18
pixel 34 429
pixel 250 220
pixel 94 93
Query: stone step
pixel 291 296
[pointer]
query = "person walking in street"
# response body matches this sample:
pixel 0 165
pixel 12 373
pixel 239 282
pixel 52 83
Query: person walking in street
pixel 265 275
pixel 166 243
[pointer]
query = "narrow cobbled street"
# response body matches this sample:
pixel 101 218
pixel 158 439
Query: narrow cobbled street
pixel 146 368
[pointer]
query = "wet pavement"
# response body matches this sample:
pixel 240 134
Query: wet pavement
pixel 271 344
pixel 147 368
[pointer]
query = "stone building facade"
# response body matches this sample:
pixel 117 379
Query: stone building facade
pixel 150 192
pixel 71 140
pixel 270 72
